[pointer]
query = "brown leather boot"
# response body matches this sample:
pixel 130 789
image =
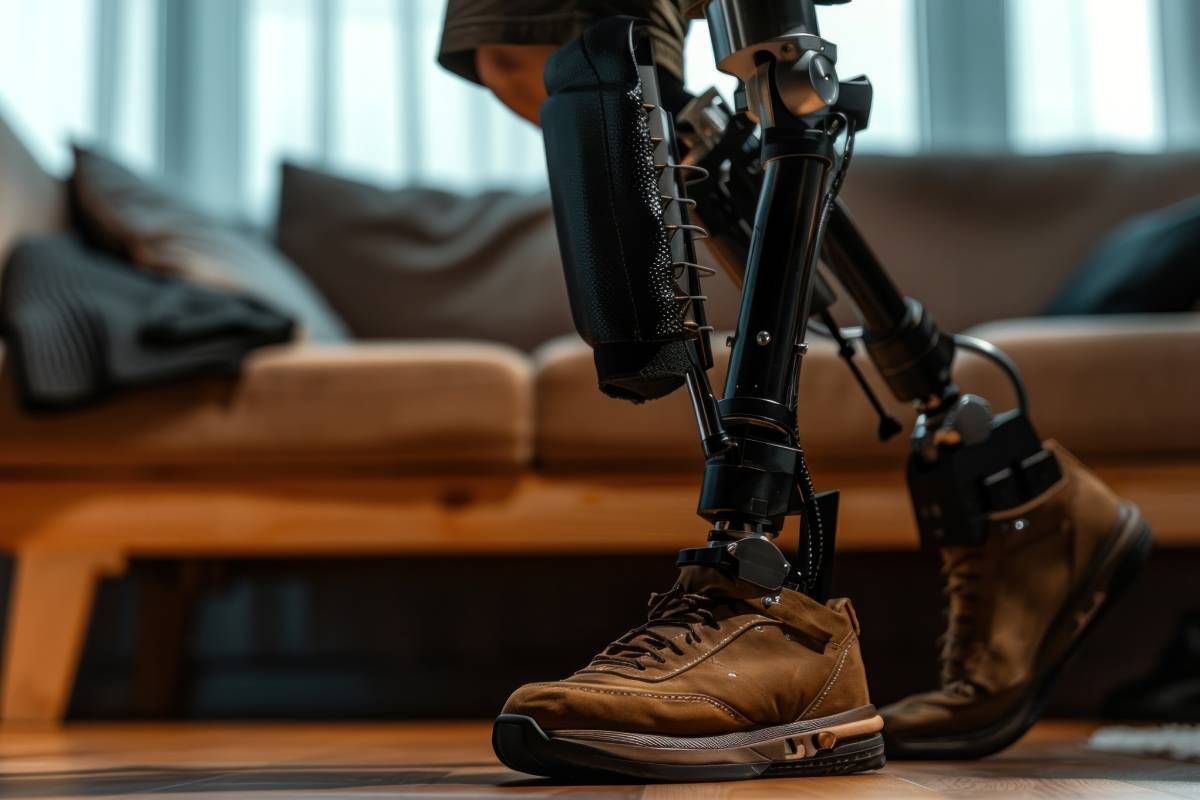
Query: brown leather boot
pixel 721 682
pixel 1018 607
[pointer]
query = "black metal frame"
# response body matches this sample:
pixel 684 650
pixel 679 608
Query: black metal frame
pixel 755 472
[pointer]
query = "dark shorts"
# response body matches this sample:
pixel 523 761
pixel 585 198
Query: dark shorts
pixel 471 23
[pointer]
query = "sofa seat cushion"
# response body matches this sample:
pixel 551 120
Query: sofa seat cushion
pixel 427 406
pixel 579 428
pixel 1115 387
pixel 1125 386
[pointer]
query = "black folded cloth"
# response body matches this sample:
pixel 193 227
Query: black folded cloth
pixel 81 325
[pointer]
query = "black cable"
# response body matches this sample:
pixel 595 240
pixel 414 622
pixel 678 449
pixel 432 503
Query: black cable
pixel 1001 359
pixel 889 426
pixel 812 514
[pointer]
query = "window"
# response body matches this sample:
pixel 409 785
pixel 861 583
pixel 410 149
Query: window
pixel 281 105
pixel 47 65
pixel 353 85
pixel 1085 75
pixel 876 38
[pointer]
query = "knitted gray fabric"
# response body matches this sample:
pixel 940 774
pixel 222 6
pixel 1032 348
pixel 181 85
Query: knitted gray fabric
pixel 80 325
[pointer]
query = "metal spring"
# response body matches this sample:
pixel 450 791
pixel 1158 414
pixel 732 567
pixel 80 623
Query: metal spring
pixel 700 172
pixel 682 269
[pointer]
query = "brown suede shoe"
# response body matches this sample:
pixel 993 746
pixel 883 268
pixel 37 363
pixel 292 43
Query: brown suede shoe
pixel 722 682
pixel 1018 607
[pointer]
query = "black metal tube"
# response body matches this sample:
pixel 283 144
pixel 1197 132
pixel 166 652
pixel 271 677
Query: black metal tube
pixel 847 254
pixel 778 286
pixel 902 339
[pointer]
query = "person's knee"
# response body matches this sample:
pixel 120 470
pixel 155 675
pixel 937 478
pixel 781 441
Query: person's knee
pixel 514 74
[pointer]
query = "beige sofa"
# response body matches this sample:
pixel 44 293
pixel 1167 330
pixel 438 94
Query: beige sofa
pixel 469 447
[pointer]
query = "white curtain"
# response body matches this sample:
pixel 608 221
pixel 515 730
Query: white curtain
pixel 877 38
pixel 353 85
pixel 1085 74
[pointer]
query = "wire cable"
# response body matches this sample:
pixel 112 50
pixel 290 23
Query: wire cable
pixel 1000 359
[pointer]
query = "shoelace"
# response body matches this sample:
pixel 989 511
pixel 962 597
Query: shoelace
pixel 962 574
pixel 674 609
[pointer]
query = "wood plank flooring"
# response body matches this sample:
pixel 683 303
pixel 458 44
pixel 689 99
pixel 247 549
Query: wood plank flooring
pixel 455 760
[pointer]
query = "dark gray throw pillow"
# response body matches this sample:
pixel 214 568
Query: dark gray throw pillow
pixel 1150 264
pixel 422 263
pixel 132 219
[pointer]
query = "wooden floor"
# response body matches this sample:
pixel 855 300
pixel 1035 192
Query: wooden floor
pixel 455 760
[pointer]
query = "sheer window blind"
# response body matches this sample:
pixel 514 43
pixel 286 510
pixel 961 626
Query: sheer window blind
pixel 353 85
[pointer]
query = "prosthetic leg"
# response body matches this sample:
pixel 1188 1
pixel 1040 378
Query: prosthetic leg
pixel 691 694
pixel 1034 547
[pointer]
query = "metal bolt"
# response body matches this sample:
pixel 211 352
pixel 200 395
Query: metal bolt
pixel 763 338
pixel 1020 525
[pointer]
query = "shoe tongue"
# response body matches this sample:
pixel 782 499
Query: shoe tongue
pixel 795 610
pixel 715 583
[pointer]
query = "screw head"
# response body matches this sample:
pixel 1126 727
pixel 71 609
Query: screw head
pixel 763 338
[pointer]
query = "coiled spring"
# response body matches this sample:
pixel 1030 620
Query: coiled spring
pixel 686 272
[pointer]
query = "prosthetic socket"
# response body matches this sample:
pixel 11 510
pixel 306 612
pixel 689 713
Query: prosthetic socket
pixel 765 175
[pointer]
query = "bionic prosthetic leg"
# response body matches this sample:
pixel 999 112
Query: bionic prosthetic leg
pixel 746 667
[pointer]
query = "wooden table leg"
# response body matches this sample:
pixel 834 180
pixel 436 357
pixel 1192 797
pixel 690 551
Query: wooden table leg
pixel 49 610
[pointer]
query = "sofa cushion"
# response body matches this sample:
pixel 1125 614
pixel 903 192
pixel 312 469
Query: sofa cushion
pixel 31 202
pixel 1151 264
pixel 422 263
pixel 427 406
pixel 1115 387
pixel 135 220
pixel 579 428
pixel 982 238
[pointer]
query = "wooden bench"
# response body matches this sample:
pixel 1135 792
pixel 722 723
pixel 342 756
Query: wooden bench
pixel 67 534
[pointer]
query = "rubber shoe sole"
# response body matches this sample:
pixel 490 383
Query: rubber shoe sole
pixel 1111 572
pixel 840 744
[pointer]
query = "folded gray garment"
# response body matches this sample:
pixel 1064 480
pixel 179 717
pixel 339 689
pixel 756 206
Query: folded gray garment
pixel 81 325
